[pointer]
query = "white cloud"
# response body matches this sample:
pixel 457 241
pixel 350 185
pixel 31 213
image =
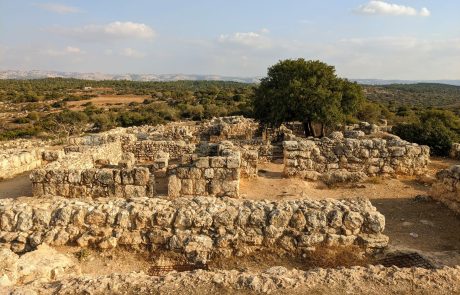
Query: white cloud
pixel 58 8
pixel 257 40
pixel 425 12
pixel 385 8
pixel 111 31
pixel 69 50
pixel 133 53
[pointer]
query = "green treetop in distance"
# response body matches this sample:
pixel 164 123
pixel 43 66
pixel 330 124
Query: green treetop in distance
pixel 306 91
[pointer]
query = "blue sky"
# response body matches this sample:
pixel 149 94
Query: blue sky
pixel 395 39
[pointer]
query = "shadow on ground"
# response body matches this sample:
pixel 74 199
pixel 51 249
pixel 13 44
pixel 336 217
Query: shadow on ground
pixel 19 186
pixel 422 224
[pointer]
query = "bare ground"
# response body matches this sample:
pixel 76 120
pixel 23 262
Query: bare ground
pixel 19 186
pixel 108 100
pixel 421 225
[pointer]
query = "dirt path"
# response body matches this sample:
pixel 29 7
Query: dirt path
pixel 19 186
pixel 425 226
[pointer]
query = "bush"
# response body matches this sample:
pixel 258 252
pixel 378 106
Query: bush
pixel 432 133
pixel 102 122
pixel 18 133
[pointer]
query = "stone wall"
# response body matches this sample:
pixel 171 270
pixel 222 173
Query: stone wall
pixel 206 176
pixel 446 188
pixel 93 183
pixel 229 128
pixel 13 162
pixel 148 150
pixel 201 228
pixel 249 161
pixel 310 158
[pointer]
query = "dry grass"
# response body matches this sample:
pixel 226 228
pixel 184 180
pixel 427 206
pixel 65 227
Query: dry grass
pixel 333 257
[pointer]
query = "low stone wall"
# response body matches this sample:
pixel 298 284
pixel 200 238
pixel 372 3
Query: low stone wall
pixel 446 188
pixel 202 228
pixel 13 162
pixel 147 150
pixel 375 156
pixel 93 183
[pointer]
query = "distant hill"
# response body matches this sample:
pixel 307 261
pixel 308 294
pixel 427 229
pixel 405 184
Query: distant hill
pixel 420 94
pixel 390 82
pixel 35 74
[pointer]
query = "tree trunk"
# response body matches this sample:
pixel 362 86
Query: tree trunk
pixel 307 128
pixel 312 128
pixel 323 130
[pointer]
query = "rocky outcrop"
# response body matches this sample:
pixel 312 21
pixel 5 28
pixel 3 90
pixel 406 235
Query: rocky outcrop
pixel 201 228
pixel 42 265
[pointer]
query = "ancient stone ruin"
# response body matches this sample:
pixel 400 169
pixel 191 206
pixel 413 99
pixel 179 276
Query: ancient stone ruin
pixel 209 159
pixel 176 188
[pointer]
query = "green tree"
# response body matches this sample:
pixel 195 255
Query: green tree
pixel 306 91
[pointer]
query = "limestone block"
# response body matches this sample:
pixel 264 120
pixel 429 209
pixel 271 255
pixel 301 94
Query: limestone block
pixel 233 162
pixel 209 173
pixel 187 187
pixel 141 176
pixel 202 162
pixel 200 187
pixel 215 187
pixel 195 173
pixel 174 186
pixel 218 162
pixel 134 191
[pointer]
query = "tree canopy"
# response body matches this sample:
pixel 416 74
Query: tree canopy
pixel 306 91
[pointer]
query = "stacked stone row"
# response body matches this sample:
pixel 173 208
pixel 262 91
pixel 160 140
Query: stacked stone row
pixel 374 156
pixel 93 183
pixel 147 150
pixel 201 227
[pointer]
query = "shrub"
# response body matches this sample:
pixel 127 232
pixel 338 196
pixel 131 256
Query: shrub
pixel 432 133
